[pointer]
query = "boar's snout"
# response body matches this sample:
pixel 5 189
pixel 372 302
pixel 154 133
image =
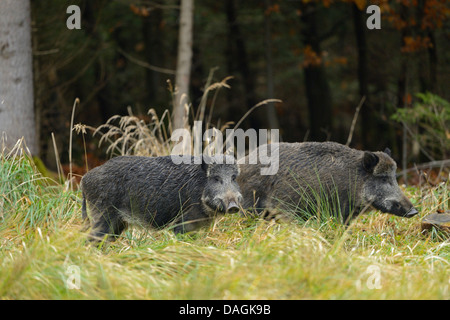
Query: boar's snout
pixel 403 208
pixel 232 207
pixel 411 213
pixel 232 202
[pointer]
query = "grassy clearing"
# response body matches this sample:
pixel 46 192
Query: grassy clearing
pixel 377 257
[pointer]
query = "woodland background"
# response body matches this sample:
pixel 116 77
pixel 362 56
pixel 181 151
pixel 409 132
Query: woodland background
pixel 317 56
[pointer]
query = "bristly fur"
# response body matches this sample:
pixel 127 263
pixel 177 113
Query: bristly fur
pixel 154 192
pixel 311 173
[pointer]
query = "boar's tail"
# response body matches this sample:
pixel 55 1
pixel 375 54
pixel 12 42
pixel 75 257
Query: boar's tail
pixel 83 209
pixel 84 216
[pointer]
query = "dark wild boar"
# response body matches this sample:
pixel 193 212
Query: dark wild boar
pixel 156 192
pixel 314 177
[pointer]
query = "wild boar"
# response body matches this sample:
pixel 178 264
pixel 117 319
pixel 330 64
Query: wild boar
pixel 315 177
pixel 156 192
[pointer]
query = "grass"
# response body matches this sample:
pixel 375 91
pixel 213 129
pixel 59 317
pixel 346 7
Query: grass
pixel 378 257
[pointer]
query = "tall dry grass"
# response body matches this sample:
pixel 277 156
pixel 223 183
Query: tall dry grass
pixel 131 135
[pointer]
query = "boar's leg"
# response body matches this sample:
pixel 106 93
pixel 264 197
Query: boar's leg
pixel 108 224
pixel 190 220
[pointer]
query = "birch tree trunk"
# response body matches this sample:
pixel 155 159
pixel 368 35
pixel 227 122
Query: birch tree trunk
pixel 17 117
pixel 183 73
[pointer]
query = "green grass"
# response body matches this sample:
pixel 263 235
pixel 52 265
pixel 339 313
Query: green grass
pixel 378 257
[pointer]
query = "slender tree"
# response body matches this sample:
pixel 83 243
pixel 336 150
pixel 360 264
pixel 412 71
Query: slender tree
pixel 368 114
pixel 184 62
pixel 271 112
pixel 318 92
pixel 17 117
pixel 239 61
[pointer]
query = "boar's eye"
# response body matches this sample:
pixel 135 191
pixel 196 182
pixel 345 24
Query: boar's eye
pixel 385 179
pixel 217 179
pixel 233 177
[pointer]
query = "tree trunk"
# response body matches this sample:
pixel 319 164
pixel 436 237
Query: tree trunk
pixel 183 73
pixel 402 89
pixel 428 58
pixel 318 91
pixel 402 79
pixel 17 117
pixel 154 55
pixel 271 112
pixel 368 118
pixel 433 61
pixel 239 62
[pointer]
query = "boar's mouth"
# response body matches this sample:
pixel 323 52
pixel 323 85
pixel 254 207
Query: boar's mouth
pixel 411 213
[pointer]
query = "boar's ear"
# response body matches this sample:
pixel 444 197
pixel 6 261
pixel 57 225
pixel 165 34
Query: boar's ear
pixel 370 160
pixel 387 151
pixel 204 164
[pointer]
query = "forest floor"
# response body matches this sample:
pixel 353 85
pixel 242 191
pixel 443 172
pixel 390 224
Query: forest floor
pixel 43 254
